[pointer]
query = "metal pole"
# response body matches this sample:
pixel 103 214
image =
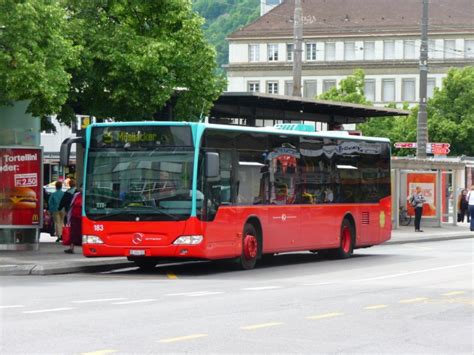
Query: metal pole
pixel 422 128
pixel 298 48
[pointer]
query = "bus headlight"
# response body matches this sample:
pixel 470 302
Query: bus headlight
pixel 189 240
pixel 91 239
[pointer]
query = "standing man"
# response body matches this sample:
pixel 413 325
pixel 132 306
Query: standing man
pixel 53 206
pixel 417 201
pixel 470 201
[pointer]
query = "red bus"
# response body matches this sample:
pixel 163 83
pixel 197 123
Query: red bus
pixel 161 190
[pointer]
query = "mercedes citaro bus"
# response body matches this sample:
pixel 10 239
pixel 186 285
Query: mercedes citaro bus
pixel 179 190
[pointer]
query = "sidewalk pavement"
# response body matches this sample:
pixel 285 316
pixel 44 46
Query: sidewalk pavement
pixel 50 258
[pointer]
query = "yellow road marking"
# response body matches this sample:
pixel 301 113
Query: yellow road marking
pixel 377 306
pixel 171 276
pixel 101 352
pixel 187 337
pixel 327 315
pixel 453 293
pixel 263 325
pixel 413 300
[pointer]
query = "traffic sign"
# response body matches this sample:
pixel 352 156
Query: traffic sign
pixel 440 145
pixel 431 148
pixel 440 150
pixel 404 145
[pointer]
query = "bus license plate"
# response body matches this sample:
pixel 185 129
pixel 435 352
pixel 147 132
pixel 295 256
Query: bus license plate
pixel 137 252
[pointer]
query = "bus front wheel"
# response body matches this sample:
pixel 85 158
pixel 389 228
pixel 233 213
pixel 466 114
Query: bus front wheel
pixel 249 255
pixel 346 247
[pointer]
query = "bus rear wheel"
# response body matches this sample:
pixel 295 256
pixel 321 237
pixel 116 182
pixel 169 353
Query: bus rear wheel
pixel 248 258
pixel 347 238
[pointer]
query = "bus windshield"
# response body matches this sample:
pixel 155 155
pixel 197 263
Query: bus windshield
pixel 138 183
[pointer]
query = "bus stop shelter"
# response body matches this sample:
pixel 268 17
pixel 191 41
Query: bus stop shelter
pixel 440 180
pixel 248 107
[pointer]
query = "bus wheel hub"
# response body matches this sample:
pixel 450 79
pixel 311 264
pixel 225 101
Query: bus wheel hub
pixel 250 246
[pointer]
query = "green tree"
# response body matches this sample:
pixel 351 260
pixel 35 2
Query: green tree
pixel 451 112
pixel 35 54
pixel 450 117
pixel 135 55
pixel 350 89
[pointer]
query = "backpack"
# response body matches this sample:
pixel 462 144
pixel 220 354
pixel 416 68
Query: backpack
pixel 413 203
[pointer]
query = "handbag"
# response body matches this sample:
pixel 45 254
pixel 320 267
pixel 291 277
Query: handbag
pixel 66 237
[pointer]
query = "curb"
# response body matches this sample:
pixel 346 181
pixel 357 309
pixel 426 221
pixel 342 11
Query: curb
pixel 431 239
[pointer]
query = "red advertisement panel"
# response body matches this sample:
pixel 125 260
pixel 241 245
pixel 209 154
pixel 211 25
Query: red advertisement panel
pixel 427 183
pixel 20 186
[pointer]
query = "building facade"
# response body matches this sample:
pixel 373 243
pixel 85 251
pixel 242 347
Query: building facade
pixel 381 37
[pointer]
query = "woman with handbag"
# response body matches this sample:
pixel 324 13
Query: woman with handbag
pixel 75 221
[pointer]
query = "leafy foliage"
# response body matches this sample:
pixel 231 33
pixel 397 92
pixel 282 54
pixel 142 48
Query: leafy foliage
pixel 135 55
pixel 224 17
pixel 108 58
pixel 36 54
pixel 451 112
pixel 350 89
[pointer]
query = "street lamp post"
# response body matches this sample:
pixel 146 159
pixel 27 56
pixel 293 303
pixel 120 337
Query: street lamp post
pixel 422 124
pixel 298 48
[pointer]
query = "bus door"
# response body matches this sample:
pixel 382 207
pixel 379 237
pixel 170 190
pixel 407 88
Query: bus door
pixel 284 215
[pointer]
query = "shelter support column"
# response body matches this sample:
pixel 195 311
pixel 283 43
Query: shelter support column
pixel 455 197
pixel 396 199
pixel 439 195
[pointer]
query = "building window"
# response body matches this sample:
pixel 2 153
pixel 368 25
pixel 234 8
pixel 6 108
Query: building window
pixel 369 50
pixel 450 48
pixel 272 87
pixel 310 89
pixel 369 89
pixel 288 87
pixel 388 90
pixel 469 48
pixel 409 50
pixel 254 52
pixel 349 51
pixel 290 49
pixel 388 49
pixel 272 52
pixel 430 87
pixel 253 86
pixel 328 84
pixel 329 51
pixel 310 51
pixel 408 90
pixel 431 48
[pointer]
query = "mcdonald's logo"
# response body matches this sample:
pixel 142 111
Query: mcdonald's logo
pixel 35 218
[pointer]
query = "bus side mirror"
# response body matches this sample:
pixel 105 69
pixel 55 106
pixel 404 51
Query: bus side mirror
pixel 65 151
pixel 212 165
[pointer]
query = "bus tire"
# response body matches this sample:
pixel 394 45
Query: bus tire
pixel 347 238
pixel 250 245
pixel 145 264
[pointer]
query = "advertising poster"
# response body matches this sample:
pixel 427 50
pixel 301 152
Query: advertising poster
pixel 20 187
pixel 427 183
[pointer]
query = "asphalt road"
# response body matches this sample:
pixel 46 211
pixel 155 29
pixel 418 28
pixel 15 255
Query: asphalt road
pixel 411 298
